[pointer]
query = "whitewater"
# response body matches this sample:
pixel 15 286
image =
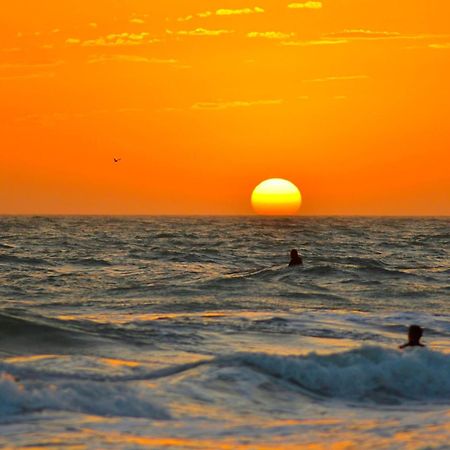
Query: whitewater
pixel 193 332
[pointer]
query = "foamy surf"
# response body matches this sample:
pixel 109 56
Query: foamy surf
pixel 102 399
pixel 368 374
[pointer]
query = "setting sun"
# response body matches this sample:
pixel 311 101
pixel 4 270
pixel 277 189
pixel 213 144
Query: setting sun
pixel 276 197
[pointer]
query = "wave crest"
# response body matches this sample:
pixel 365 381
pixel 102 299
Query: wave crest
pixel 102 399
pixel 368 374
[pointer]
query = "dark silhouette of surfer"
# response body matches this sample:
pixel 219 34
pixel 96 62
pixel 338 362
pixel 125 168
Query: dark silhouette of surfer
pixel 117 160
pixel 296 259
pixel 414 334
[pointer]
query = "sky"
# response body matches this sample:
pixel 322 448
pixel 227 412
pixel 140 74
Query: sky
pixel 202 100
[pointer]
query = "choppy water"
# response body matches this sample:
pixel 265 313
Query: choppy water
pixel 194 333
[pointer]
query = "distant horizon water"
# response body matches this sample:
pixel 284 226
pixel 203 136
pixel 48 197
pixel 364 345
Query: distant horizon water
pixel 262 216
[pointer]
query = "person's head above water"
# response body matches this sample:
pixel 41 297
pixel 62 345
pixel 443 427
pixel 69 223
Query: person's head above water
pixel 296 259
pixel 414 335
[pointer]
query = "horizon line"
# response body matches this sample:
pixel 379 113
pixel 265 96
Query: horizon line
pixel 223 215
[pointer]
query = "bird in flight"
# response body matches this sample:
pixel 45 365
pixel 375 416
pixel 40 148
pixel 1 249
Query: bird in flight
pixel 116 160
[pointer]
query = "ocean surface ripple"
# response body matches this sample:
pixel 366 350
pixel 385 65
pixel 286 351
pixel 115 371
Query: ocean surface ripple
pixel 193 332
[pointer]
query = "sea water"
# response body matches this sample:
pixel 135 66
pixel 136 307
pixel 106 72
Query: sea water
pixel 193 333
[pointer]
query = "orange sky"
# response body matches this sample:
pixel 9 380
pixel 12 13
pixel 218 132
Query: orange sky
pixel 348 99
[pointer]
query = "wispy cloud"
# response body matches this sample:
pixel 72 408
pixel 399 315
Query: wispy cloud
pixel 305 5
pixel 316 42
pixel 73 41
pixel 277 35
pixel 443 46
pixel 130 59
pixel 115 39
pixel 365 34
pixel 222 12
pixel 190 16
pixel 337 78
pixel 221 105
pixel 239 12
pixel 137 21
pixel 200 32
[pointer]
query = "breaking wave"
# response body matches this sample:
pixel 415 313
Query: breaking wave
pixel 102 399
pixel 368 374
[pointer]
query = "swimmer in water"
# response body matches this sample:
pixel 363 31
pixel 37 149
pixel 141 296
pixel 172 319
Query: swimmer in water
pixel 414 334
pixel 296 259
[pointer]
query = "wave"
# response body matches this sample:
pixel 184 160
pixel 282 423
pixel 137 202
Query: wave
pixel 363 377
pixel 90 262
pixel 368 374
pixel 3 245
pixel 102 399
pixel 27 333
pixel 12 259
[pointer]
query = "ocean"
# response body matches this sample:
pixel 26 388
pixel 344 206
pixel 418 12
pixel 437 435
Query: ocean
pixel 192 332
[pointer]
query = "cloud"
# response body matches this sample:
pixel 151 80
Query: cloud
pixel 204 14
pixel 73 41
pixel 221 105
pixel 190 16
pixel 223 12
pixel 238 12
pixel 278 35
pixel 137 21
pixel 200 32
pixel 365 34
pixel 131 59
pixel 184 19
pixel 337 78
pixel 444 46
pixel 115 39
pixel 362 34
pixel 316 42
pixel 305 5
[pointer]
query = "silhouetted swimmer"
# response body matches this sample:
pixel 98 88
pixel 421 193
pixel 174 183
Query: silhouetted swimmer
pixel 296 259
pixel 414 334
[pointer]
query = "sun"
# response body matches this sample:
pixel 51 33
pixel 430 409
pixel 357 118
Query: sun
pixel 276 197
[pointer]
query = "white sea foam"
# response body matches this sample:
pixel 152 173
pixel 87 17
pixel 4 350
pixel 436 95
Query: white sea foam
pixel 102 399
pixel 370 374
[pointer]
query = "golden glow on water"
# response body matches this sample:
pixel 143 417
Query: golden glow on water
pixel 326 433
pixel 119 362
pixel 29 358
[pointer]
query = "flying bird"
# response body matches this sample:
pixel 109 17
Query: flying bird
pixel 116 160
